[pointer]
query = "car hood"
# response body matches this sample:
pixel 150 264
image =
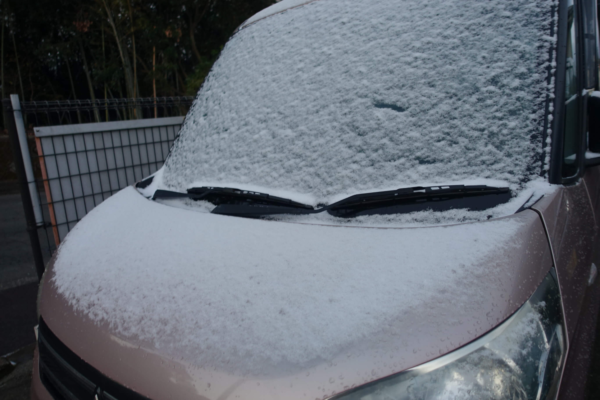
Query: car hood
pixel 181 304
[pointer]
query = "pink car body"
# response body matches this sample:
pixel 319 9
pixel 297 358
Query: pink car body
pixel 559 231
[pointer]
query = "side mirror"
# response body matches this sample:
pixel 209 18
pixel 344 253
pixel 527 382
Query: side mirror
pixel 592 157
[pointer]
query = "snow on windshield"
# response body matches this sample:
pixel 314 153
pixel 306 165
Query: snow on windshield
pixel 347 96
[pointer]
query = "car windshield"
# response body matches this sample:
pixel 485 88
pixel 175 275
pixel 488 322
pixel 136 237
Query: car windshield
pixel 338 97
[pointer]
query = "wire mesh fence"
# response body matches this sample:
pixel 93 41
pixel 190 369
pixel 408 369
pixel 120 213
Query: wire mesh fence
pixel 76 166
pixel 47 113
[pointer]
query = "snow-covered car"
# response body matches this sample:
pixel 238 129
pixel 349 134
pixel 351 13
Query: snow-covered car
pixel 396 199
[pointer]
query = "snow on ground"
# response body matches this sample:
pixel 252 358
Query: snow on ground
pixel 256 296
pixel 346 96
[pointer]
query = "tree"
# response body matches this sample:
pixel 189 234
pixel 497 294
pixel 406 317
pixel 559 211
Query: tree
pixel 114 48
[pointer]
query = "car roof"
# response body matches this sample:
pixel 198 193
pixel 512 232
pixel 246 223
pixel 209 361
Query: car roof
pixel 276 8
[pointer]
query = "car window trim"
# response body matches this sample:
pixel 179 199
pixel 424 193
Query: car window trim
pixel 558 125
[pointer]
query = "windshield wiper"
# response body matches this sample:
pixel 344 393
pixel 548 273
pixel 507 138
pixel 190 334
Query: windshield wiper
pixel 230 196
pixel 436 198
pixel 250 210
pixel 249 204
pixel 416 193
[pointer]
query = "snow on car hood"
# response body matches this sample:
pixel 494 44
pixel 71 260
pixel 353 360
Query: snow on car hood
pixel 260 296
pixel 348 96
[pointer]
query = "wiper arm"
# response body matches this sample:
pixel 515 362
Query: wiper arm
pixel 244 203
pixel 230 196
pixel 416 193
pixel 423 197
pixel 249 210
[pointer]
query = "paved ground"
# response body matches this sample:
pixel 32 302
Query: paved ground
pixel 18 280
pixel 18 316
pixel 18 292
pixel 16 265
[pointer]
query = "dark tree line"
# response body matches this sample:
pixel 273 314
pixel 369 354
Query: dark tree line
pixel 86 49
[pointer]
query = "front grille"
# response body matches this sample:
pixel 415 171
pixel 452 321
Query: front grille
pixel 67 377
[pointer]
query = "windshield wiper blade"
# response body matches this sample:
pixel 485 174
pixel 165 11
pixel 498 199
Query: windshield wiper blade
pixel 249 204
pixel 169 194
pixel 230 196
pixel 387 202
pixel 414 195
pixel 259 210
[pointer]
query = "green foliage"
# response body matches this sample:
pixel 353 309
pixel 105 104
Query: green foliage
pixel 83 49
pixel 195 80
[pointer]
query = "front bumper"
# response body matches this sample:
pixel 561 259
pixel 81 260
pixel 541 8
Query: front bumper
pixel 38 391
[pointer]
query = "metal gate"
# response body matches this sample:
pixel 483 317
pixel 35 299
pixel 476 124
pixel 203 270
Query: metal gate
pixel 70 167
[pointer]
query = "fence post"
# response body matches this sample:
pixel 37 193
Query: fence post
pixel 22 134
pixel 9 121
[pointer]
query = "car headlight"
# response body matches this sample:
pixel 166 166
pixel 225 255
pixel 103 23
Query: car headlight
pixel 522 358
